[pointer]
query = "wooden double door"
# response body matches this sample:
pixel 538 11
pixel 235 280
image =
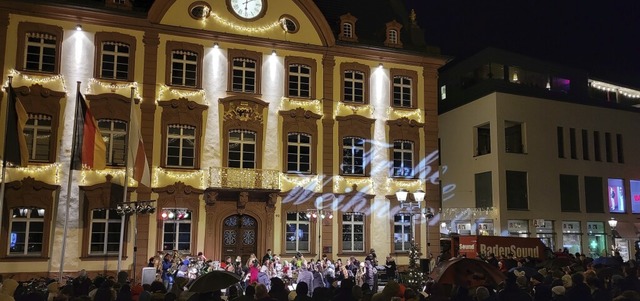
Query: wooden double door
pixel 239 237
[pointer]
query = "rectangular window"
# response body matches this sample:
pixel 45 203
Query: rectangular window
pixel 114 134
pixel 353 160
pixel 594 194
pixel 242 149
pixel 402 93
pixel 483 140
pixel 484 190
pixel 619 148
pixel 353 86
pixel 40 52
pixel 573 148
pixel 181 146
pixel 244 75
pixel 616 196
pixel 608 147
pixel 402 158
pixel 560 136
pixel 353 232
pixel 299 81
pixel 184 68
pixel 596 146
pixel 517 190
pixel 569 193
pixel 26 231
pixel 298 153
pixel 585 145
pixel 105 232
pixel 114 61
pixel 634 185
pixel 37 133
pixel 402 232
pixel 513 137
pixel 176 230
pixel 297 232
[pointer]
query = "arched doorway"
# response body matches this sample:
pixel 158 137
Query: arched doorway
pixel 239 236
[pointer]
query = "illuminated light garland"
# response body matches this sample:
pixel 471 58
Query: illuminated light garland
pixel 349 182
pixel 415 114
pixel 42 170
pixel 249 29
pixel 181 176
pixel 302 181
pixel 613 88
pixel 225 177
pixel 38 79
pixel 314 105
pixel 164 89
pixel 115 173
pixel 410 185
pixel 354 109
pixel 113 87
pixel 453 213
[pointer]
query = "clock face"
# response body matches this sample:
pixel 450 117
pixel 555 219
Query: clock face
pixel 247 9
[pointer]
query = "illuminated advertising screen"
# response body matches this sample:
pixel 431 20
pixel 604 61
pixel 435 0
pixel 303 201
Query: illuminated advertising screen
pixel 635 195
pixel 616 195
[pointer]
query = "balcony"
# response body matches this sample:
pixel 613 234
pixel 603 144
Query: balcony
pixel 225 177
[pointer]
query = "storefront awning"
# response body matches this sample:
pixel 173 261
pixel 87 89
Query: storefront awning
pixel 627 230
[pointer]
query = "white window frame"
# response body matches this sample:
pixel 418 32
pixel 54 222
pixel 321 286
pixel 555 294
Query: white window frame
pixel 242 142
pixel 110 134
pixel 184 61
pixel 302 71
pixel 353 149
pixel 393 36
pixel 176 243
pixel 118 57
pixel 24 216
pixel 404 152
pixel 402 101
pixel 299 153
pixel 405 221
pixel 185 139
pixel 352 224
pixel 111 219
pixel 45 41
pixel 35 130
pixel 351 79
pixel 347 30
pixel 244 68
pixel 301 220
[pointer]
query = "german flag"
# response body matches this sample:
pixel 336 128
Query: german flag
pixel 89 149
pixel 15 144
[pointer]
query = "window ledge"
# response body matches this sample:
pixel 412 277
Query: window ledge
pixel 237 93
pixel 36 73
pixel 101 257
pixel 13 258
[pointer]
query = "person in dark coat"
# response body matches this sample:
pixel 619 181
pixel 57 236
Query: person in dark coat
pixel 630 281
pixel 278 290
pixel 262 294
pixel 344 293
pixel 302 292
pixel 541 291
pixel 579 290
pixel 511 290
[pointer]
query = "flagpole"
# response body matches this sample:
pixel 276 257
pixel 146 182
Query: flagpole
pixel 135 223
pixel 4 155
pixel 126 184
pixel 68 203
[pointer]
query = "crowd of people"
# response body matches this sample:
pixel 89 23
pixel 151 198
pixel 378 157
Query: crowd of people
pixel 272 278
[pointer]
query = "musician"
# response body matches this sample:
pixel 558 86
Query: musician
pixel 167 274
pixel 157 263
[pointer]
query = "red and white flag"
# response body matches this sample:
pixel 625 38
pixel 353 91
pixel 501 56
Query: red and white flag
pixel 137 158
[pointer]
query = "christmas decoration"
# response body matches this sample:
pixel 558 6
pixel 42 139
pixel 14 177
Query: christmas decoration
pixel 415 276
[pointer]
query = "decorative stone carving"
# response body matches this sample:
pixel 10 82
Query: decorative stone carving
pixel 243 111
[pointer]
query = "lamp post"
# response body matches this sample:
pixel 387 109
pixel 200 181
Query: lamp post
pixel 428 214
pixel 313 215
pixel 127 209
pixel 613 223
pixel 418 199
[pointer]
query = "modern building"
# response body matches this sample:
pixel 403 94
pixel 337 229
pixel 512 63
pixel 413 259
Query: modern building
pixel 286 125
pixel 534 149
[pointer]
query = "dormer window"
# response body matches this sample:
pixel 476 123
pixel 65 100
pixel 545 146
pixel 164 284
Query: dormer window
pixel 393 34
pixel 348 28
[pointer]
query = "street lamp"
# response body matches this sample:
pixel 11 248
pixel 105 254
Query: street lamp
pixel 428 214
pixel 318 215
pixel 403 194
pixel 613 223
pixel 127 209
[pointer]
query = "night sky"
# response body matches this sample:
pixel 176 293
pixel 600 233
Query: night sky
pixel 601 37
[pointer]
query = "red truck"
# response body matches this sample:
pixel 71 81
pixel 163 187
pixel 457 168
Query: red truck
pixel 473 245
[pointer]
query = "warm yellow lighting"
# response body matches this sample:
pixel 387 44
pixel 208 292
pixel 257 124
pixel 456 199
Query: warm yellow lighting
pixel 413 114
pixel 186 176
pixel 38 79
pixel 344 184
pixel 40 172
pixel 97 86
pixel 288 182
pixel 170 92
pixel 313 105
pixel 348 109
pixel 248 29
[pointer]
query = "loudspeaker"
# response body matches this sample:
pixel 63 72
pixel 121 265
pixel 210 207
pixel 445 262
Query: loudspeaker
pixel 424 265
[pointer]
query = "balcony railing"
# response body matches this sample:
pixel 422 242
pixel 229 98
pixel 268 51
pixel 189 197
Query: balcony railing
pixel 225 177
